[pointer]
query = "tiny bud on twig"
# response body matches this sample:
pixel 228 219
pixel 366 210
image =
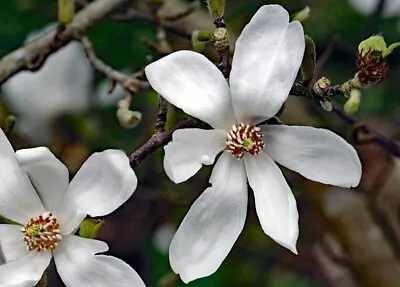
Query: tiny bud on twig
pixel 66 10
pixel 302 15
pixel 309 60
pixel 216 8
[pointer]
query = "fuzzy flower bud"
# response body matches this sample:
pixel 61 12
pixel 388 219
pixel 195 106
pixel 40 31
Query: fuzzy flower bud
pixel 216 8
pixel 66 9
pixel 353 103
pixel 199 38
pixel 302 16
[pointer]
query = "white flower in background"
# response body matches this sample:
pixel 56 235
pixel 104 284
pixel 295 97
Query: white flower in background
pixel 391 8
pixel 267 57
pixel 35 192
pixel 62 85
pixel 163 236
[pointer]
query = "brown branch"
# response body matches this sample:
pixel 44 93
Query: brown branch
pixel 159 139
pixel 162 114
pixel 33 55
pixel 136 15
pixel 129 83
pixel 374 136
pixel 189 10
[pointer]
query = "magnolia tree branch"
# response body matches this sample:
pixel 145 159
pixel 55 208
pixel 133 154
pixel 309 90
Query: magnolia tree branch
pixel 33 55
pixel 129 83
pixel 159 139
pixel 372 135
pixel 162 138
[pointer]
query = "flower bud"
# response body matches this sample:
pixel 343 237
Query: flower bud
pixel 302 15
pixel 221 39
pixel 353 103
pixel 89 228
pixel 128 119
pixel 198 39
pixel 309 60
pixel 216 8
pixel 372 65
pixel 66 9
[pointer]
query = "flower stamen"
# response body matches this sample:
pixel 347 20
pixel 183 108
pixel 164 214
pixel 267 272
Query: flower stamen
pixel 244 138
pixel 42 233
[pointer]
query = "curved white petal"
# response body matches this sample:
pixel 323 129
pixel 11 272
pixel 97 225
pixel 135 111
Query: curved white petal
pixel 213 223
pixel 189 150
pixel 267 57
pixel 27 268
pixel 12 245
pixel 18 199
pixel 191 82
pixel 48 175
pixel 78 266
pixel 103 183
pixel 317 154
pixel 275 203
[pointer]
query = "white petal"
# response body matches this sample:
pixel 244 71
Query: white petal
pixel 103 183
pixel 48 175
pixel 191 82
pixel 213 223
pixel 317 154
pixel 12 245
pixel 275 203
pixel 27 268
pixel 267 57
pixel 18 199
pixel 189 150
pixel 74 245
pixel 78 266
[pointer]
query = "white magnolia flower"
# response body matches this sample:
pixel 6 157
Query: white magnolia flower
pixel 62 85
pixel 267 57
pixel 367 7
pixel 35 192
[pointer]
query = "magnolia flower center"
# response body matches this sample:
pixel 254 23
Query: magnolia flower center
pixel 42 233
pixel 244 138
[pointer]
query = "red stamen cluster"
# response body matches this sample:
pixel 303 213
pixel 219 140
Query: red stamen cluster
pixel 42 233
pixel 244 138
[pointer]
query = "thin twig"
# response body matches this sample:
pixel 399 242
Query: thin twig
pixel 162 114
pixel 189 10
pixel 159 139
pixel 136 15
pixel 381 140
pixel 375 17
pixel 130 84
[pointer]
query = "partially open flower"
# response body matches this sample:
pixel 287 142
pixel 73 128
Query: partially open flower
pixel 372 64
